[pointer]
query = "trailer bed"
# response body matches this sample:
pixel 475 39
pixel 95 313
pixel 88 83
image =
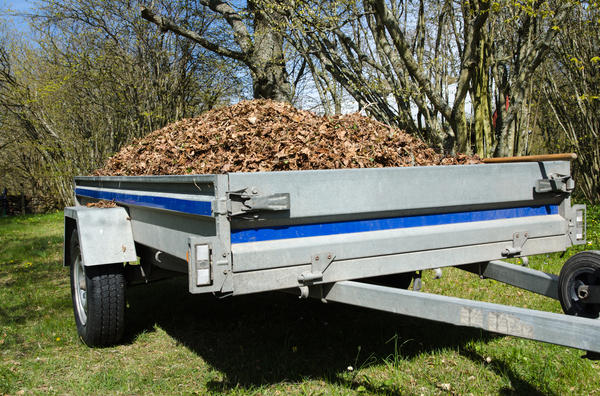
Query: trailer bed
pixel 323 233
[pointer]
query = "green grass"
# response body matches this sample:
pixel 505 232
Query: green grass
pixel 272 343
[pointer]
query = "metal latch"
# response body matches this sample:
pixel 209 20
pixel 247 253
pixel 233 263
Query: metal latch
pixel 519 239
pixel 319 263
pixel 242 202
pixel 555 183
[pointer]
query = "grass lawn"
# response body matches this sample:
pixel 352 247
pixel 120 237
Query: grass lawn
pixel 272 343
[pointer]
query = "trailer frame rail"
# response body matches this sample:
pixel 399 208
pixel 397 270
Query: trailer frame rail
pixel 554 328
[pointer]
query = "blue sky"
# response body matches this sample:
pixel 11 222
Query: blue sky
pixel 19 6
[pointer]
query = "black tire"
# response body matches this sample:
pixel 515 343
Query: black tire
pixel 581 269
pixel 400 281
pixel 98 294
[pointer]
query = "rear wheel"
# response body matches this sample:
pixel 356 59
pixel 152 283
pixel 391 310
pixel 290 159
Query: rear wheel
pixel 98 294
pixel 582 269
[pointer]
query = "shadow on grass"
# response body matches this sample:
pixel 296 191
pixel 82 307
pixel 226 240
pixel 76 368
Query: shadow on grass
pixel 268 338
pixel 519 386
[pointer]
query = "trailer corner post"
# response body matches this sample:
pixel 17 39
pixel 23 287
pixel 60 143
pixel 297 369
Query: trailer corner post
pixel 209 257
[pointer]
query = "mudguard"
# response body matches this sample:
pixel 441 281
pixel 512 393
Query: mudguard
pixel 105 235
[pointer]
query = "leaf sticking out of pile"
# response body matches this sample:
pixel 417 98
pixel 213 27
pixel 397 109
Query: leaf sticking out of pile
pixel 263 135
pixel 102 204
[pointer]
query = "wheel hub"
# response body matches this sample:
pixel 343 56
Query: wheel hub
pixel 81 290
pixel 582 292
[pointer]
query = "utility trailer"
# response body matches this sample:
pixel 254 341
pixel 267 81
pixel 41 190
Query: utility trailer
pixel 355 236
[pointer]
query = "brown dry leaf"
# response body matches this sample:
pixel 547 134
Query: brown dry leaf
pixel 102 204
pixel 263 135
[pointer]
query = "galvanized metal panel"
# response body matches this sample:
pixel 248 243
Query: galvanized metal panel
pixel 105 235
pixel 168 231
pixel 283 278
pixel 570 331
pixel 287 252
pixel 339 195
pixel 331 193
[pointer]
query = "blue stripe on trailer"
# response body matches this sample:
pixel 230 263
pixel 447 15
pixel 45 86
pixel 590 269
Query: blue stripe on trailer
pixel 347 227
pixel 202 208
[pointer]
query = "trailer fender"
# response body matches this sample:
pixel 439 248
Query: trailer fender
pixel 105 235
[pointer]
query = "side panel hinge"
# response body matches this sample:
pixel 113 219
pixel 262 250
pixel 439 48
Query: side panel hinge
pixel 250 200
pixel 519 239
pixel 319 264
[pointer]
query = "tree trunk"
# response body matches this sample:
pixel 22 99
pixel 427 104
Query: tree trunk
pixel 22 199
pixel 460 127
pixel 267 62
pixel 506 140
pixel 261 52
pixel 484 137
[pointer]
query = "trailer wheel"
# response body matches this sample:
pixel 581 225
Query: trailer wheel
pixel 579 270
pixel 400 281
pixel 98 294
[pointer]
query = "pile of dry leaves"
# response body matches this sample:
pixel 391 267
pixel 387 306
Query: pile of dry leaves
pixel 262 135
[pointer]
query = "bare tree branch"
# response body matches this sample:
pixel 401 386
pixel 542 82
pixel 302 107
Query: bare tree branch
pixel 401 44
pixel 472 30
pixel 166 24
pixel 242 37
pixel 534 55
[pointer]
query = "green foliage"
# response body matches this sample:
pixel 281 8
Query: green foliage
pixel 571 90
pixel 97 77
